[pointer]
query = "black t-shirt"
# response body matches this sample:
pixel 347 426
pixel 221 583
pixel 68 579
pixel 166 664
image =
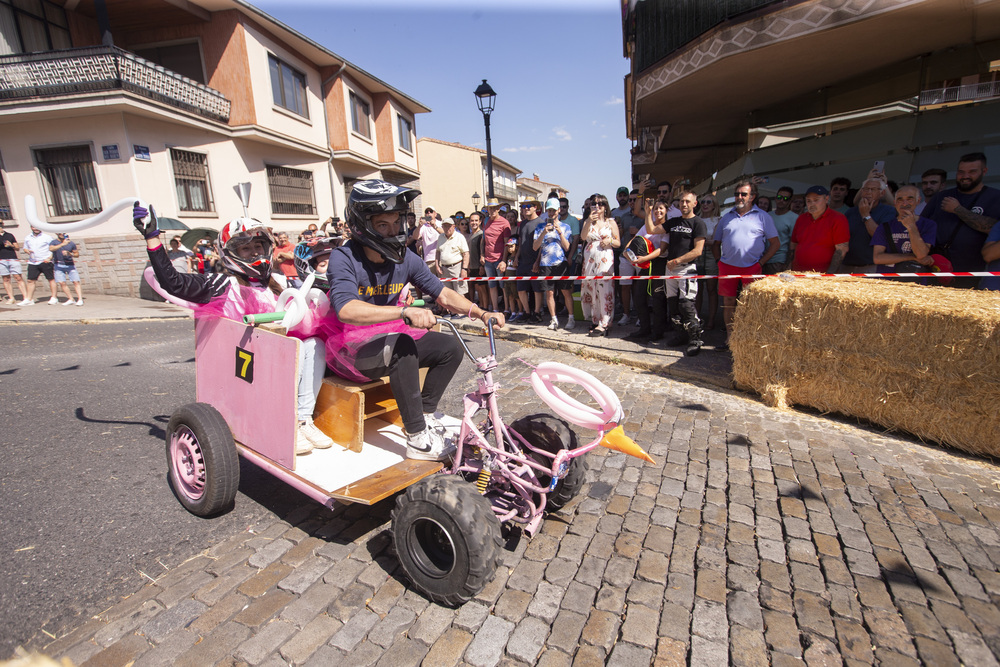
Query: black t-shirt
pixel 353 276
pixel 682 234
pixel 7 252
pixel 526 238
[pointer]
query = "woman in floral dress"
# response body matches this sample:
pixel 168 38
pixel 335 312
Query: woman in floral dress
pixel 598 296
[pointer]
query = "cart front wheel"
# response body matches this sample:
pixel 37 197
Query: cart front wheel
pixel 202 463
pixel 552 434
pixel 447 538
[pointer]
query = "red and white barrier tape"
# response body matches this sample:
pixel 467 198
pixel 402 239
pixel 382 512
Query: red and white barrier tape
pixel 954 274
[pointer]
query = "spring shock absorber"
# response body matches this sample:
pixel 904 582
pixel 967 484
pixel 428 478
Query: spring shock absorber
pixel 484 480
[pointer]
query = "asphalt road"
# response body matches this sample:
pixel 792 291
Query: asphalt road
pixel 85 510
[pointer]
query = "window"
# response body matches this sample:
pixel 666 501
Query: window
pixel 291 191
pixel 194 189
pixel 405 130
pixel 185 59
pixel 288 87
pixel 70 184
pixel 359 116
pixel 32 25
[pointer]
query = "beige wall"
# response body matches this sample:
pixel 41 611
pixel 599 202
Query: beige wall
pixel 448 177
pixel 355 142
pixel 229 162
pixel 311 130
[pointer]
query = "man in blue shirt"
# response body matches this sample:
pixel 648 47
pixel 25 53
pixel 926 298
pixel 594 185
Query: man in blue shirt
pixel 991 255
pixel 552 241
pixel 366 276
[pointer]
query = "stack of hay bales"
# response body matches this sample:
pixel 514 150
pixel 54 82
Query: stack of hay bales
pixel 922 359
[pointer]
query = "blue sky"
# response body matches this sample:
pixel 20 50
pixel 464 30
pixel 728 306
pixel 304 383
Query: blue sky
pixel 556 65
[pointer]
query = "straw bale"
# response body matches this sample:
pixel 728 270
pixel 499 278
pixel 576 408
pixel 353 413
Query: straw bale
pixel 921 359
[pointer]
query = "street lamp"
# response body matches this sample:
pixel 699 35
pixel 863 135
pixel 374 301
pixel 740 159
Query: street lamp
pixel 475 201
pixel 485 96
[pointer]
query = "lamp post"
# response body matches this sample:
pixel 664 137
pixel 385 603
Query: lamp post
pixel 485 96
pixel 475 200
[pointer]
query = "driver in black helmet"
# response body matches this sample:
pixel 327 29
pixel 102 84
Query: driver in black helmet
pixel 366 276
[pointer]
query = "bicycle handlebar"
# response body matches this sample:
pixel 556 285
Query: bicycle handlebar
pixel 468 352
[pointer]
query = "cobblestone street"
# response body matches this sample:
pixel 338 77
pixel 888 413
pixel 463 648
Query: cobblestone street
pixel 758 538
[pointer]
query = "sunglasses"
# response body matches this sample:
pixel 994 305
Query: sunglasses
pixel 740 195
pixel 705 202
pixel 782 197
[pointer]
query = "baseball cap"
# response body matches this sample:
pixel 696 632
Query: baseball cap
pixel 621 190
pixel 817 190
pixel 552 203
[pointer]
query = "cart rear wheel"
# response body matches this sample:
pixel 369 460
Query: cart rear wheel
pixel 552 434
pixel 447 538
pixel 203 466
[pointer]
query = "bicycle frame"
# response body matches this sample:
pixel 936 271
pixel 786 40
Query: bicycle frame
pixel 511 495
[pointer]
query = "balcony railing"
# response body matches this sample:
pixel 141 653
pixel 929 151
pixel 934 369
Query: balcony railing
pixel 504 191
pixel 972 92
pixel 104 68
pixel 660 27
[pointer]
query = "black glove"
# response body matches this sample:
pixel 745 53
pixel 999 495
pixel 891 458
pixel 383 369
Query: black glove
pixel 149 230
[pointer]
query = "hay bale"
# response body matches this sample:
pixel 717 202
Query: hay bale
pixel 921 359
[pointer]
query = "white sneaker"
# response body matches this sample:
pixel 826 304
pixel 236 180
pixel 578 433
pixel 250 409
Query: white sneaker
pixel 69 303
pixel 570 323
pixel 553 324
pixel 623 320
pixel 80 302
pixel 303 445
pixel 25 302
pixel 53 301
pixel 427 446
pixel 318 439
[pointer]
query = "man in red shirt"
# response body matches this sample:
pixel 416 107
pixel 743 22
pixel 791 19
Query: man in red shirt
pixel 495 236
pixel 284 256
pixel 821 235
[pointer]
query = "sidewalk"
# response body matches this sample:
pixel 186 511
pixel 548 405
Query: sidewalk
pixel 95 308
pixel 711 367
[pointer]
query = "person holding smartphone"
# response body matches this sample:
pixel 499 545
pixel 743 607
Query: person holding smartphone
pixel 552 242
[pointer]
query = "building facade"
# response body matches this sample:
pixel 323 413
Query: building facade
pixel 804 90
pixel 450 174
pixel 175 104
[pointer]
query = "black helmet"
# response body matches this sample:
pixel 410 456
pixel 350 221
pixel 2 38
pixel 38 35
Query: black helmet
pixel 308 253
pixel 370 198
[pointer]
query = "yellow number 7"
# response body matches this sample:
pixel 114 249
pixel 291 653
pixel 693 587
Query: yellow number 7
pixel 247 358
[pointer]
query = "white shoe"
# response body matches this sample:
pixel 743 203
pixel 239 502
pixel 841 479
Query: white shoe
pixel 53 301
pixel 623 320
pixel 69 303
pixel 427 445
pixel 303 445
pixel 25 302
pixel 80 302
pixel 570 324
pixel 318 439
pixel 553 324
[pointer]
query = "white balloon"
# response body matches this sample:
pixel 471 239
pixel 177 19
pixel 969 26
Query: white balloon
pixel 547 373
pixel 150 277
pixel 31 213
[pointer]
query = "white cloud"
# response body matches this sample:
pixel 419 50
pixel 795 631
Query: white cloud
pixel 614 101
pixel 562 133
pixel 525 149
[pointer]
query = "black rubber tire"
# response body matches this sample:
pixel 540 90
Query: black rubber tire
pixel 216 451
pixel 447 538
pixel 552 434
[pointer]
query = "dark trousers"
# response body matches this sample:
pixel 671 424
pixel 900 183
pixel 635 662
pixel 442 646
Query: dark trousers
pixel 651 301
pixel 400 357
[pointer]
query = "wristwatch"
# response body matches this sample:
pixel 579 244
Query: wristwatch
pixel 866 218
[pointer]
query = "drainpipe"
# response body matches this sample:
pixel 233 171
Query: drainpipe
pixel 326 121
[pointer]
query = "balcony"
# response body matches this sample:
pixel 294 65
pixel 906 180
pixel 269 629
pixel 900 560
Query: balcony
pixel 973 92
pixel 663 26
pixel 30 76
pixel 504 192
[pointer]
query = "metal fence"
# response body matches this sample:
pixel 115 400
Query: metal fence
pixel 968 93
pixel 103 68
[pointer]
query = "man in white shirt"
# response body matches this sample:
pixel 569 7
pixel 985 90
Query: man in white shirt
pixel 36 245
pixel 452 258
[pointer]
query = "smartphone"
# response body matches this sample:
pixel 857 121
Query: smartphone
pixel 879 166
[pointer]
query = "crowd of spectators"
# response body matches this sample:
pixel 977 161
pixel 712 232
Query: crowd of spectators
pixel 657 229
